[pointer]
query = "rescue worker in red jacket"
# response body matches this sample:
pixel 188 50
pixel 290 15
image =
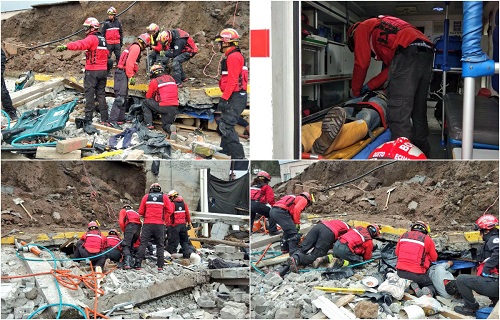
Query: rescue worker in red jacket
pixel 180 223
pixel 320 239
pixel 286 212
pixel 127 67
pixel 407 55
pixel 91 244
pixel 112 244
pixel 416 251
pixel 163 98
pixel 130 224
pixel 355 245
pixel 262 194
pixel 178 46
pixel 94 82
pixel 485 282
pixel 113 32
pixel 155 207
pixel 233 84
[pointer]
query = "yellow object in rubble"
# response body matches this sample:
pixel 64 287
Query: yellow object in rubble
pixel 342 290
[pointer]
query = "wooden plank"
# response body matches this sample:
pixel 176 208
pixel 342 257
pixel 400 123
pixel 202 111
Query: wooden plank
pixel 51 153
pixel 344 300
pixel 39 87
pixel 28 99
pixel 101 127
pixel 215 241
pixel 71 144
pixel 267 240
pixel 494 314
pixel 272 261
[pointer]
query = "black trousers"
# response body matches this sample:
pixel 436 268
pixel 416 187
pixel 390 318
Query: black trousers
pixel 342 251
pixel 284 219
pixel 114 255
pixel 484 286
pixel 6 100
pixel 178 234
pixel 156 234
pixel 116 49
pixel 121 93
pixel 177 71
pixel 168 113
pixel 257 207
pixel 320 239
pixel 81 252
pixel 423 280
pixel 230 141
pixel 131 234
pixel 94 86
pixel 409 78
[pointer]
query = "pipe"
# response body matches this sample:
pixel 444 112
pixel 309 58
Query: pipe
pixel 444 66
pixel 468 118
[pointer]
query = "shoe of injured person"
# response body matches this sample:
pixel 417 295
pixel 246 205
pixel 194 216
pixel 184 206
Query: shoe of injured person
pixel 465 310
pixel 419 292
pixel 319 261
pixel 292 262
pixel 330 129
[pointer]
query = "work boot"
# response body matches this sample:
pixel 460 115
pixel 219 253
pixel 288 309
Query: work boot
pixel 89 128
pixel 425 291
pixel 283 270
pixel 319 261
pixel 150 126
pixel 127 262
pixel 330 128
pixel 465 310
pixel 173 132
pixel 138 265
pixel 293 263
pixel 13 116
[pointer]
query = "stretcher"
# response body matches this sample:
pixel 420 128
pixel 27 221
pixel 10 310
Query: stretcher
pixel 362 148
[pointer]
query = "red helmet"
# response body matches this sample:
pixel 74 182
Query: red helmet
pixel 421 226
pixel 144 38
pixel 152 28
pixel 91 23
pixel 164 36
pixel 486 222
pixel 307 196
pixel 155 187
pixel 111 11
pixel 179 199
pixel 228 35
pixel 350 36
pixel 93 225
pixel 399 149
pixel 373 230
pixel 113 231
pixel 264 175
pixel 156 70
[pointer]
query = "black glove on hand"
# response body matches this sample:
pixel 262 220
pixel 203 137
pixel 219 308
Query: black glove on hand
pixel 188 226
pixel 223 105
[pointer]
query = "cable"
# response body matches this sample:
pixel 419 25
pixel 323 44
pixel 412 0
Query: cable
pixel 94 193
pixel 257 269
pixel 37 134
pixel 359 177
pixel 490 206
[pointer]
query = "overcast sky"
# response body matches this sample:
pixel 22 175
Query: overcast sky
pixel 17 5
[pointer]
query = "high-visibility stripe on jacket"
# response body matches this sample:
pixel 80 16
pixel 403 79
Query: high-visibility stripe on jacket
pixel 294 205
pixel 415 251
pixel 359 242
pixel 155 207
pixel 112 30
pixel 93 241
pixel 181 213
pixel 164 90
pixel 112 240
pixel 234 73
pixel 96 52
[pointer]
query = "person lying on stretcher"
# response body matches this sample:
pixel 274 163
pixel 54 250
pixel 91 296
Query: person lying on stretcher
pixel 333 133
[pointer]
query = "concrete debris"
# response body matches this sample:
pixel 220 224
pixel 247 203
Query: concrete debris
pixel 366 310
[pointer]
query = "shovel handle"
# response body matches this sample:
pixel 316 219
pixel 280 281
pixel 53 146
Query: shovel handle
pixel 27 212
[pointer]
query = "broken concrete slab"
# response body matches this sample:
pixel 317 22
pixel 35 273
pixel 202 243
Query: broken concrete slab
pixel 51 153
pixel 54 84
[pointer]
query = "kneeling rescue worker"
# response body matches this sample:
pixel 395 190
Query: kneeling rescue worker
pixel 354 246
pixel 91 244
pixel 112 244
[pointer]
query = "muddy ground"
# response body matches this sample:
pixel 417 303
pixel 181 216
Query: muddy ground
pixel 450 195
pixel 201 19
pixel 65 195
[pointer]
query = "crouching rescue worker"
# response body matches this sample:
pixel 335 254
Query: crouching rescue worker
pixel 233 84
pixel 262 194
pixel 180 224
pixel 112 244
pixel 320 239
pixel 130 224
pixel 127 67
pixel 286 212
pixel 486 281
pixel 354 246
pixel 155 207
pixel 96 65
pixel 416 251
pixel 91 244
pixel 162 98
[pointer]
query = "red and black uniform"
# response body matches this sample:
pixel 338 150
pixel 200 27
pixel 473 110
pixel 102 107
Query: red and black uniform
pixel 113 32
pixel 181 49
pixel 127 67
pixel 286 212
pixel 355 245
pixel 416 251
pixel 486 281
pixel 260 195
pixel 233 84
pixel 407 55
pixel 163 98
pixel 178 228
pixel 320 239
pixel 116 253
pixel 92 243
pixel 130 224
pixel 155 207
pixel 95 72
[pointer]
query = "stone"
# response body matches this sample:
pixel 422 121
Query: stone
pixel 206 301
pixel 56 216
pixel 288 313
pixel 366 310
pixel 412 205
pixel 223 289
pixel 231 313
pixel 273 279
pixel 165 313
pixel 30 292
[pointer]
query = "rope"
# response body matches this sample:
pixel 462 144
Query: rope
pixel 490 206
pixel 94 194
pixel 234 15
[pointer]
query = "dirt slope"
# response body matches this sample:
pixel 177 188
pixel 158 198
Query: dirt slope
pixel 201 19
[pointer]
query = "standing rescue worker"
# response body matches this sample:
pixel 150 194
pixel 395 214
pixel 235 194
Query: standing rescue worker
pixel 112 240
pixel 180 47
pixel 286 212
pixel 320 239
pixel 180 223
pixel 94 82
pixel 113 32
pixel 153 30
pixel 91 244
pixel 127 67
pixel 407 55
pixel 262 194
pixel 355 245
pixel 486 281
pixel 130 224
pixel 233 84
pixel 6 100
pixel 155 208
pixel 416 251
pixel 163 98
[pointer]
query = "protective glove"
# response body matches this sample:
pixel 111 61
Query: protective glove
pixel 61 48
pixel 162 53
pixel 223 105
pixel 297 226
pixel 132 81
pixel 188 226
pixel 364 89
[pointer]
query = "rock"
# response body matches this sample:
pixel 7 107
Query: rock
pixel 366 310
pixel 288 313
pixel 273 279
pixel 206 301
pixel 412 205
pixel 56 215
